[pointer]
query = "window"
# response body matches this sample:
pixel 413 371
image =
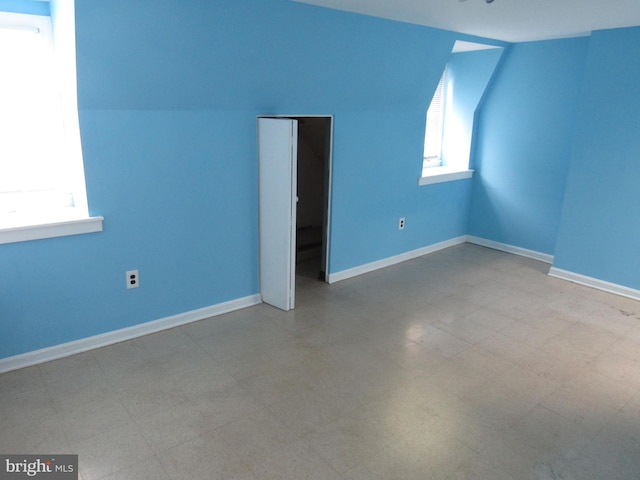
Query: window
pixel 440 117
pixel 434 129
pixel 452 112
pixel 41 174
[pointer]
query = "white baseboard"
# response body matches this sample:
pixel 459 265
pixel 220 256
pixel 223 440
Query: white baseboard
pixel 523 252
pixel 387 262
pixel 78 346
pixel 370 267
pixel 595 283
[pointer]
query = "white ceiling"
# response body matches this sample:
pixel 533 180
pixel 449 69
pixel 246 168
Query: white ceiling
pixel 507 20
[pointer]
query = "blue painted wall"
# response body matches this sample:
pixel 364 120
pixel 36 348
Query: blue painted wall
pixel 31 7
pixel 525 133
pixel 377 162
pixel 600 230
pixel 168 97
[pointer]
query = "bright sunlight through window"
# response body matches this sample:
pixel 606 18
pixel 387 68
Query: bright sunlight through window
pixel 35 176
pixel 434 129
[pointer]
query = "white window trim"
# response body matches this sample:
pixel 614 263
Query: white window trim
pixel 37 230
pixel 21 227
pixel 443 174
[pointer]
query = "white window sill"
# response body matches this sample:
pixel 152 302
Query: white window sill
pixel 443 174
pixel 35 229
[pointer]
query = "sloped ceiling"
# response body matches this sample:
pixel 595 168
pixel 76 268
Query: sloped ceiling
pixel 507 20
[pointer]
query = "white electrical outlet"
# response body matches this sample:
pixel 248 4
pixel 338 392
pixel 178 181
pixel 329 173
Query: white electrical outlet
pixel 133 279
pixel 401 224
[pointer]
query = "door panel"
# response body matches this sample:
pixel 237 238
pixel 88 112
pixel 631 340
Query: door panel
pixel 277 164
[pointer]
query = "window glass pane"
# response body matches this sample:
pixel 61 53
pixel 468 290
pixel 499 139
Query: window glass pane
pixel 435 122
pixel 32 173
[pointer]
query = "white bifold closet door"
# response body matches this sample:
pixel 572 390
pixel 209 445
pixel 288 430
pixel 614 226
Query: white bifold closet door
pixel 277 183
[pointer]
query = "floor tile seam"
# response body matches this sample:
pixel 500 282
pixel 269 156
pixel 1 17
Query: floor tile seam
pixel 235 456
pixel 620 336
pixel 469 345
pixel 294 434
pixel 343 415
pixel 300 332
pixel 334 417
pixel 107 378
pixel 386 354
pixel 535 347
pixel 126 468
pixel 135 419
pixel 623 338
pixel 592 432
pixel 159 451
pixel 635 397
pixel 193 325
pixel 471 342
pixel 622 447
pixel 271 408
pixel 359 404
pixel 612 472
pixel 81 370
pixel 603 356
pixel 632 400
pixel 513 282
pixel 485 304
pixel 140 421
pixel 496 462
pixel 68 445
pixel 245 381
pixel 272 334
pixel 632 397
pixel 597 433
pixel 532 442
pixel 204 350
pixel 495 374
pixel 462 396
pixel 553 412
pixel 570 322
pixel 600 349
pixel 636 356
pixel 327 461
pixel 492 310
pixel 442 331
pixel 248 467
pixel 282 447
pixel 128 464
pixel 569 375
pixel 114 392
pixel 491 382
pixel 454 440
pixel 219 431
pixel 50 398
pixel 20 387
pixel 564 384
pixel 260 405
pixel 227 369
pixel 217 437
pixel 68 410
pixel 111 374
pixel 86 438
pixel 606 306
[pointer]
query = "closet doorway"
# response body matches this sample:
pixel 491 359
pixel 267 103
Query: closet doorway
pixel 294 164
